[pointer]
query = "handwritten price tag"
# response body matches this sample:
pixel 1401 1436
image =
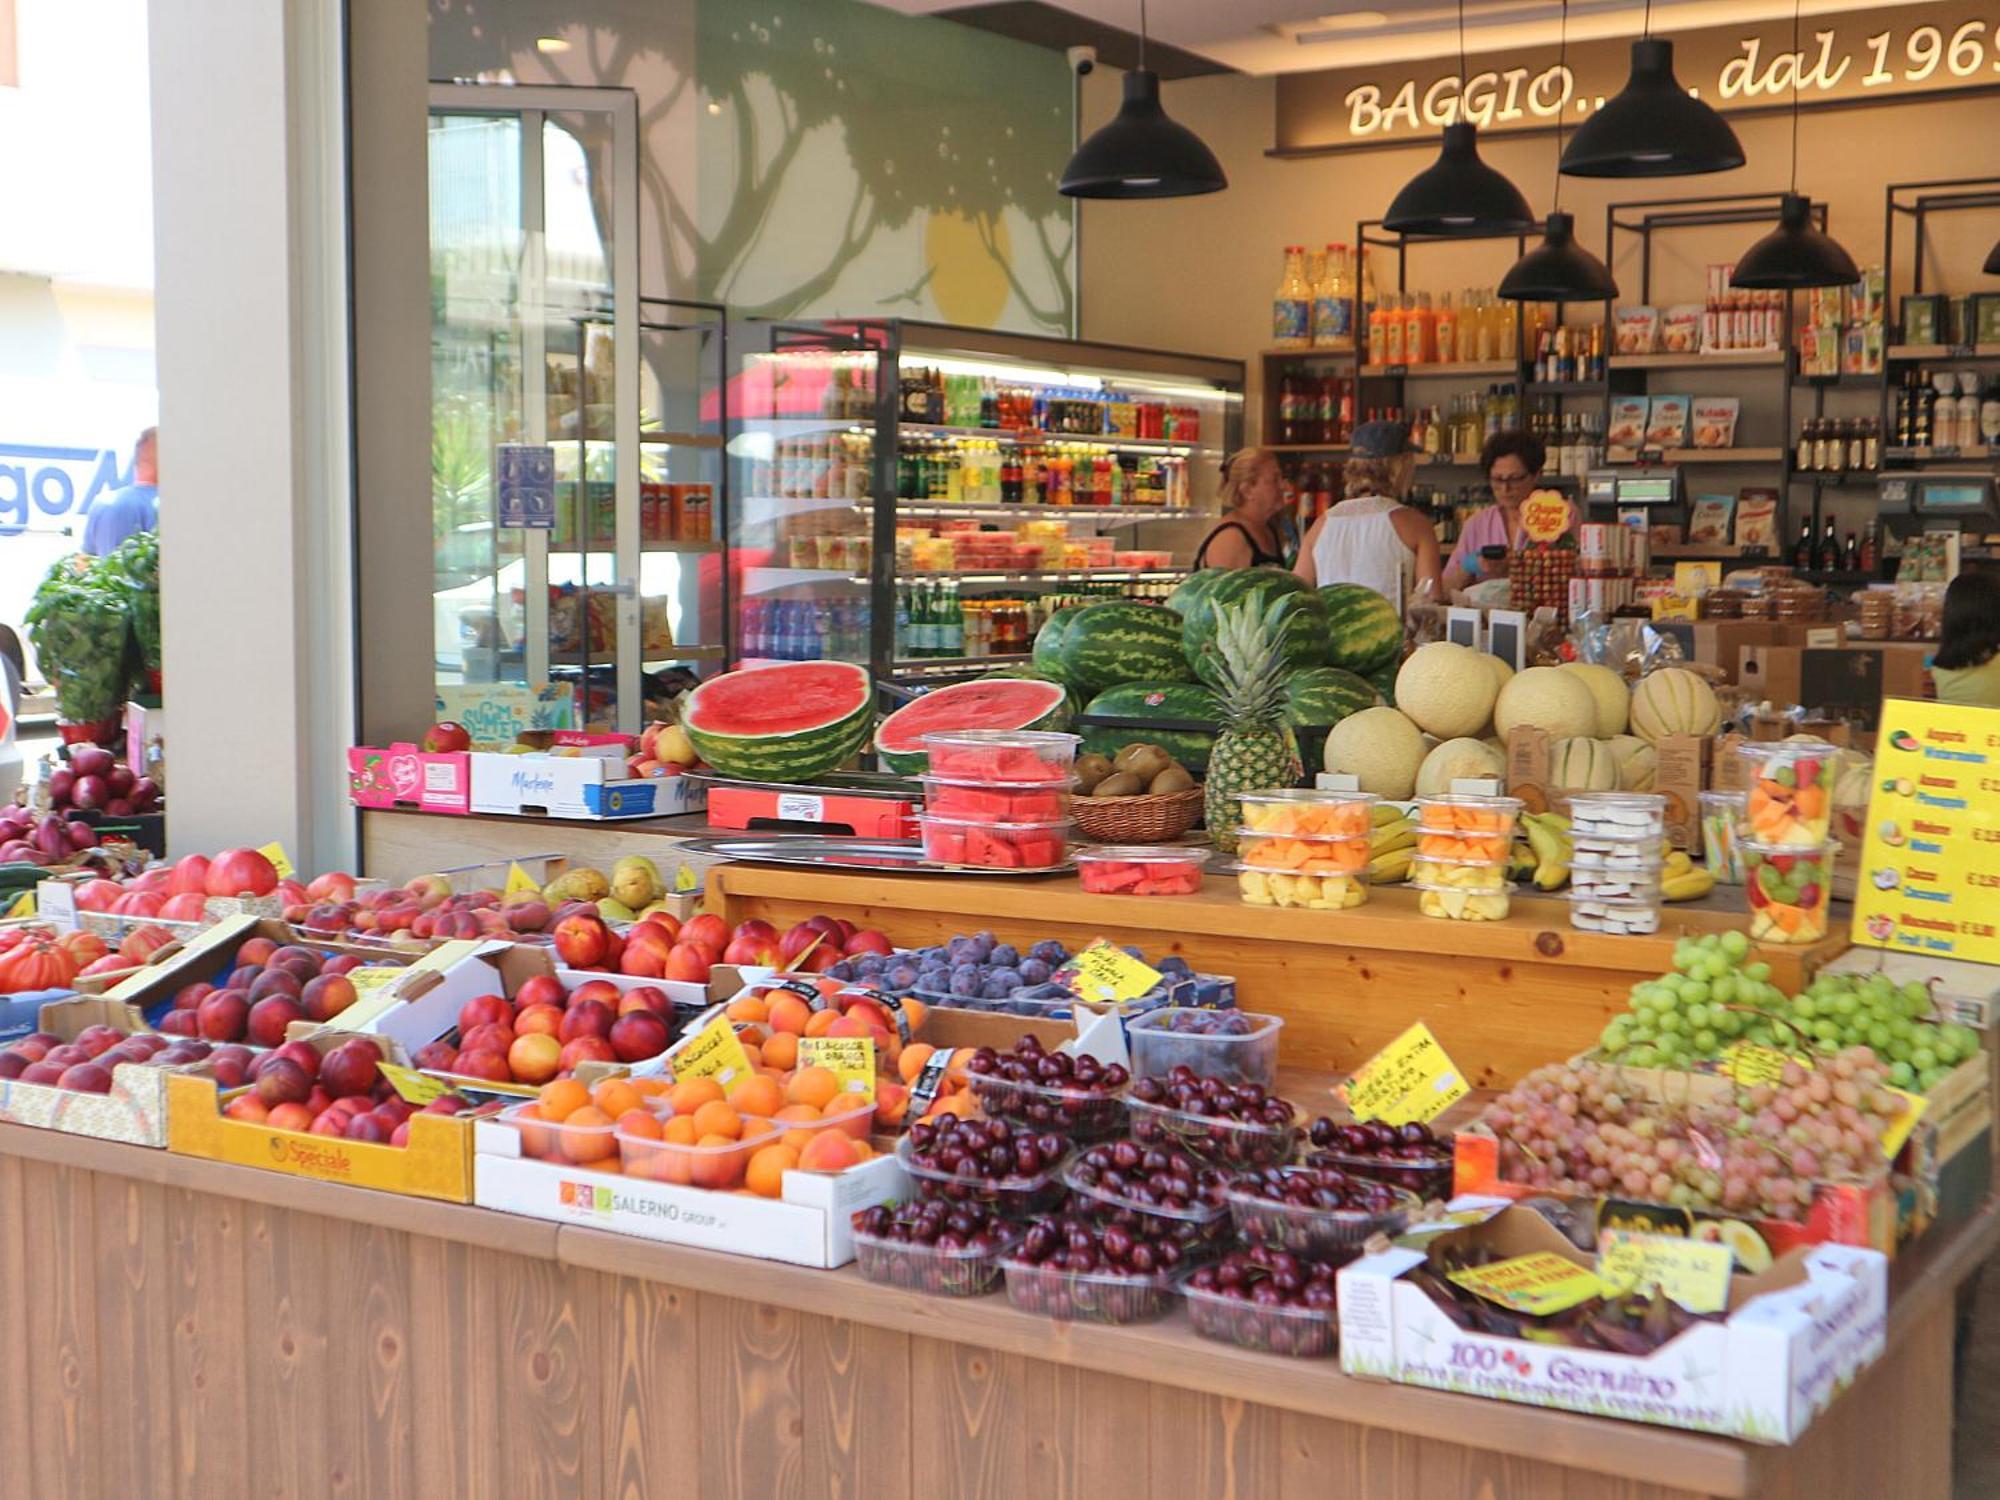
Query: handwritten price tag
pixel 1107 974
pixel 1749 1064
pixel 275 853
pixel 58 904
pixel 373 994
pixel 519 880
pixel 1694 1273
pixel 850 1058
pixel 417 1088
pixel 1410 1079
pixel 1898 1129
pixel 1537 1284
pixel 713 1052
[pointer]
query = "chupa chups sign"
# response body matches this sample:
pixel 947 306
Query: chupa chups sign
pixel 1841 59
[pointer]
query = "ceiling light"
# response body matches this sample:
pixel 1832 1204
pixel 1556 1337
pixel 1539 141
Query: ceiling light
pixel 1142 153
pixel 1559 269
pixel 1459 194
pixel 1795 255
pixel 551 44
pixel 1652 127
pixel 1992 267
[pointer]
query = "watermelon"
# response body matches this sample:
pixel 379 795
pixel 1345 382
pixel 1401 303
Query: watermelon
pixel 1194 587
pixel 1137 707
pixel 790 721
pixel 1302 627
pixel 1120 642
pixel 1383 680
pixel 1317 699
pixel 1047 654
pixel 985 703
pixel 1365 630
pixel 1258 586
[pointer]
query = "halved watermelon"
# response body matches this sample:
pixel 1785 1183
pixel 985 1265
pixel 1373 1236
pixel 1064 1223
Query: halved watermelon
pixel 986 703
pixel 789 721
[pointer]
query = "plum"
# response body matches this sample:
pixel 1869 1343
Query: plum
pixel 1049 952
pixel 1008 979
pixel 844 971
pixel 1173 964
pixel 1035 971
pixel 965 981
pixel 1006 955
pixel 902 977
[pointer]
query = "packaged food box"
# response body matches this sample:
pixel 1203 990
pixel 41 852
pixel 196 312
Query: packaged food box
pixel 1261 886
pixel 1002 755
pixel 1680 328
pixel 1627 427
pixel 1666 422
pixel 1637 331
pixel 1309 810
pixel 1458 905
pixel 998 801
pixel 1714 421
pixel 1236 1046
pixel 1140 870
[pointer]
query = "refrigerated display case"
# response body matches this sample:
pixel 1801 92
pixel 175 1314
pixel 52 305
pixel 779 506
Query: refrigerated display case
pixel 919 497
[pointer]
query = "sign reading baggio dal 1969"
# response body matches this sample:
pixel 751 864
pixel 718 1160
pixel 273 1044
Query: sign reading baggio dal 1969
pixel 1840 60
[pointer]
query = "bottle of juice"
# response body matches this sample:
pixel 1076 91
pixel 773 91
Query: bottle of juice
pixel 1417 329
pixel 1394 331
pixel 1364 281
pixel 1333 311
pixel 1378 334
pixel 1291 308
pixel 1444 330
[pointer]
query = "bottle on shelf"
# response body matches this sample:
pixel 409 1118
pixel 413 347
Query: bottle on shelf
pixel 1826 557
pixel 1395 330
pixel 1291 307
pixel 1870 550
pixel 1850 556
pixel 1444 331
pixel 1802 456
pixel 1333 303
pixel 1326 410
pixel 1364 281
pixel 1802 550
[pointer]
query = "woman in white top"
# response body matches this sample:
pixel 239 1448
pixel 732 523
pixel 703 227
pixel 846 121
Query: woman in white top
pixel 1372 538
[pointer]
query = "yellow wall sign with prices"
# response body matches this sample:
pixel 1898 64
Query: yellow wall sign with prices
pixel 1410 1079
pixel 275 853
pixel 1930 854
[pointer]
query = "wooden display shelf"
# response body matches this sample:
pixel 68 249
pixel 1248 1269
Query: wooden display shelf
pixel 1743 359
pixel 1441 370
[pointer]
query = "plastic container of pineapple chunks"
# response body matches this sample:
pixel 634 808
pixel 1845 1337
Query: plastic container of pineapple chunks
pixel 1459 904
pixel 1267 885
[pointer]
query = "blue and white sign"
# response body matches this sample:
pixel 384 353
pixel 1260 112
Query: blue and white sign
pixel 44 484
pixel 525 476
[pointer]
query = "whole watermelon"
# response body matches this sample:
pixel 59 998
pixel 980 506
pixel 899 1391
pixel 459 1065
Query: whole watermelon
pixel 1046 655
pixel 1365 630
pixel 1036 674
pixel 1319 698
pixel 1193 587
pixel 1139 708
pixel 1302 616
pixel 1383 680
pixel 1235 585
pixel 1115 642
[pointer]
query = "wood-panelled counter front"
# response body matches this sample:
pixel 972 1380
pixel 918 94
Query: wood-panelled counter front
pixel 182 1328
pixel 1504 997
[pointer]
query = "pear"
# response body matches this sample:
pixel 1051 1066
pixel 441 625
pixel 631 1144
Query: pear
pixel 672 743
pixel 614 910
pixel 580 884
pixel 635 881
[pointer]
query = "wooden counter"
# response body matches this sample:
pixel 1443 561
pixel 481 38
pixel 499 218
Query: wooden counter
pixel 176 1327
pixel 1503 997
pixel 400 846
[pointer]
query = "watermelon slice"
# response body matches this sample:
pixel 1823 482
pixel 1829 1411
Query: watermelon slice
pixel 987 703
pixel 789 721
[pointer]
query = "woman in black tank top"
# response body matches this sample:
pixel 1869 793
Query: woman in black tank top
pixel 1253 496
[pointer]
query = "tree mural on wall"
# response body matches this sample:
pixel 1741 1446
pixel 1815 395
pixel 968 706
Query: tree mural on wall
pixel 930 119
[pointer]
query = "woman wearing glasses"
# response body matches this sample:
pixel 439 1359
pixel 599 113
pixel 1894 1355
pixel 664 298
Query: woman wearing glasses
pixel 1512 463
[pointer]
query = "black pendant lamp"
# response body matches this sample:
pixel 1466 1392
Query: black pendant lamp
pixel 1142 153
pixel 1992 267
pixel 1459 193
pixel 1652 127
pixel 1796 255
pixel 1559 269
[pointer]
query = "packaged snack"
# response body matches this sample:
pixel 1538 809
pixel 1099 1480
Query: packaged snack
pixel 1708 520
pixel 1680 328
pixel 1757 519
pixel 1637 328
pixel 1667 422
pixel 1627 428
pixel 1715 421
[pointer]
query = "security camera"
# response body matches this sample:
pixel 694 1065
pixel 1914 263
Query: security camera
pixel 1082 60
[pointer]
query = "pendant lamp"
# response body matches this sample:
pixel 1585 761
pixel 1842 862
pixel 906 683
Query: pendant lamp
pixel 1796 255
pixel 1459 193
pixel 1652 127
pixel 1992 267
pixel 1142 153
pixel 1559 269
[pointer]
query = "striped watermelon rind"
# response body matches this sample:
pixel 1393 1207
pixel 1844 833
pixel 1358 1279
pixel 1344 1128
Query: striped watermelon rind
pixel 1002 702
pixel 1239 585
pixel 1138 708
pixel 1383 680
pixel 1302 637
pixel 1364 631
pixel 1046 655
pixel 1193 587
pixel 1119 642
pixel 747 723
pixel 1319 698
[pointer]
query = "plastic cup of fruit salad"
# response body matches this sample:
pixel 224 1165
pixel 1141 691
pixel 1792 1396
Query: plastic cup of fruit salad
pixel 1307 810
pixel 997 846
pixel 1789 890
pixel 1459 874
pixel 1140 870
pixel 1721 836
pixel 1266 885
pixel 1001 754
pixel 1790 802
pixel 998 801
pixel 1236 1046
pixel 1456 904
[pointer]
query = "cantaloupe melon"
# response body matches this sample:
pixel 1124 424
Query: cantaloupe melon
pixel 1612 695
pixel 1446 690
pixel 1381 747
pixel 1502 672
pixel 1458 758
pixel 1545 698
pixel 1673 701
pixel 1581 764
pixel 1638 764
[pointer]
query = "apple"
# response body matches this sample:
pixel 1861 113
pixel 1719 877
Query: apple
pixel 447 737
pixel 639 1035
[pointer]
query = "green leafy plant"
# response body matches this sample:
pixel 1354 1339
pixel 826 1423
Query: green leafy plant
pixel 81 625
pixel 135 567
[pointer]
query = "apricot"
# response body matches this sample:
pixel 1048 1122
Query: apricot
pixel 829 1151
pixel 912 1061
pixel 788 1013
pixel 718 1119
pixel 781 1052
pixel 642 1122
pixel 765 1176
pixel 690 1096
pixel 761 1095
pixel 537 1141
pixel 615 1096
pixel 822 1023
pixel 748 1008
pixel 562 1098
pixel 814 1086
pixel 583 1142
pixel 680 1131
pixel 719 1164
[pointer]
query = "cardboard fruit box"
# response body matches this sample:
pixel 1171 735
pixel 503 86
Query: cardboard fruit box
pixel 134 1112
pixel 209 955
pixel 809 1226
pixel 1791 1339
pixel 437 1162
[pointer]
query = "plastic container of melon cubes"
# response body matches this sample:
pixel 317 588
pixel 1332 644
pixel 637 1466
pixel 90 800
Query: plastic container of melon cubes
pixel 1466 827
pixel 995 846
pixel 1012 755
pixel 1303 853
pixel 998 801
pixel 1790 803
pixel 1309 812
pixel 1456 904
pixel 1788 890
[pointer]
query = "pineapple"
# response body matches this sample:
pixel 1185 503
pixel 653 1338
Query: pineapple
pixel 1256 750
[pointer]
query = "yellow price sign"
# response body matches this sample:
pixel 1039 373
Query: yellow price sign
pixel 713 1052
pixel 24 906
pixel 1749 1064
pixel 1898 1130
pixel 1107 974
pixel 851 1059
pixel 1694 1273
pixel 275 853
pixel 519 881
pixel 373 994
pixel 417 1088
pixel 1410 1079
pixel 1538 1284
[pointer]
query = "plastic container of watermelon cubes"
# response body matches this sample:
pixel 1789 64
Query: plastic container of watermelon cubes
pixel 1140 870
pixel 998 801
pixel 995 846
pixel 1006 755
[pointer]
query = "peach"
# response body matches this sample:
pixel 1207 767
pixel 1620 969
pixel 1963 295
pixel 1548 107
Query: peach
pixel 543 1019
pixel 483 1010
pixel 586 1049
pixel 535 1057
pixel 540 989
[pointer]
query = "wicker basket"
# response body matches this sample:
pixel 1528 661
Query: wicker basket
pixel 1136 820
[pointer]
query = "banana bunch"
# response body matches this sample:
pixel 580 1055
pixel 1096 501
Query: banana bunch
pixel 1683 880
pixel 1548 838
pixel 1392 844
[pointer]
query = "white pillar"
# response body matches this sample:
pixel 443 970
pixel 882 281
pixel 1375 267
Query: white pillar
pixel 256 511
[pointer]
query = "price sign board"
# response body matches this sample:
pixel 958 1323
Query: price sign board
pixel 1410 1079
pixel 1107 974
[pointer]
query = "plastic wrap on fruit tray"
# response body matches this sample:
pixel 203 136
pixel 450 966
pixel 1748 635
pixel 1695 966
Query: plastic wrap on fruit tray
pixel 1459 874
pixel 1010 802
pixel 1635 852
pixel 1079 1113
pixel 1617 815
pixel 1309 812
pixel 1301 1332
pixel 1303 853
pixel 994 846
pixel 1140 870
pixel 1212 1138
pixel 1087 1296
pixel 1593 914
pixel 1235 1046
pixel 1010 1197
pixel 931 1269
pixel 1314 1231
pixel 1258 885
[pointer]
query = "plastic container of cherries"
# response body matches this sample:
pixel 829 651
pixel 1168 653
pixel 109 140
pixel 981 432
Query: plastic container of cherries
pixel 1014 1171
pixel 1315 1211
pixel 1229 1125
pixel 939 1248
pixel 1412 1157
pixel 1077 1097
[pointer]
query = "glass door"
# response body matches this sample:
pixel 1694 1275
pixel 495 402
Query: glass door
pixel 535 393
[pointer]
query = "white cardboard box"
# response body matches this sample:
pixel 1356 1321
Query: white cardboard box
pixel 592 784
pixel 1763 1373
pixel 809 1226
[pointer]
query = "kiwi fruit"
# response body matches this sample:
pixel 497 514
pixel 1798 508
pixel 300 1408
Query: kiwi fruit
pixel 1091 769
pixel 1143 761
pixel 1173 779
pixel 1120 784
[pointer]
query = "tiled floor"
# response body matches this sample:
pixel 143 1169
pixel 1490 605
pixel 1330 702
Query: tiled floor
pixel 1976 1453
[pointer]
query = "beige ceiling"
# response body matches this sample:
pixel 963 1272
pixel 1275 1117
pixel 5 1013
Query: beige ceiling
pixel 1283 36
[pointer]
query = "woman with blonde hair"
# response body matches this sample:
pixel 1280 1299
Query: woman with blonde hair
pixel 1253 495
pixel 1371 537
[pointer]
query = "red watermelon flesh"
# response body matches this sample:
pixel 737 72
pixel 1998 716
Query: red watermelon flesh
pixel 992 804
pixel 989 703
